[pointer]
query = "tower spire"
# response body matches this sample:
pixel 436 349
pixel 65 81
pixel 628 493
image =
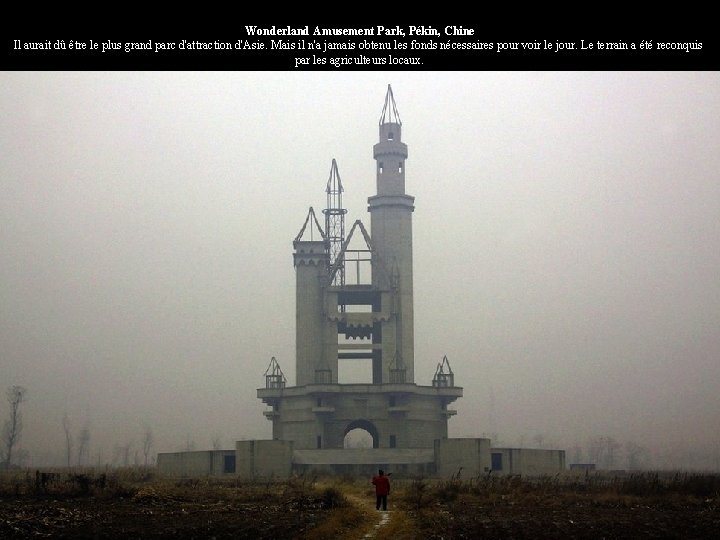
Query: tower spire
pixel 390 113
pixel 335 222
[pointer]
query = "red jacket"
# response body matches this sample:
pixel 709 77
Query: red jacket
pixel 382 484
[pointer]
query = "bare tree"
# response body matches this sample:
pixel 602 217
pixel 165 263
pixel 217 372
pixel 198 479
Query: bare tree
pixel 638 457
pixel 147 442
pixel 217 442
pixel 68 437
pixel 612 447
pixel 83 442
pixel 126 453
pixel 596 450
pixel 603 451
pixel 99 457
pixel 12 428
pixel 121 454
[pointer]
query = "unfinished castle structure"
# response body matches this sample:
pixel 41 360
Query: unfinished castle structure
pixel 354 302
pixel 341 317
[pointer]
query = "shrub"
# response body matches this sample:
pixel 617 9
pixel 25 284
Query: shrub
pixel 332 498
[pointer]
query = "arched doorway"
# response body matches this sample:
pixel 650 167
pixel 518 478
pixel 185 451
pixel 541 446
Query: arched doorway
pixel 361 433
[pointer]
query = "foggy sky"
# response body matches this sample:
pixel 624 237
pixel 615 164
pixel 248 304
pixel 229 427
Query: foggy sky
pixel 566 248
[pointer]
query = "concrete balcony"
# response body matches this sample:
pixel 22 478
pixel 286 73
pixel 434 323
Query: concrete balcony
pixel 450 393
pixel 323 410
pixel 399 410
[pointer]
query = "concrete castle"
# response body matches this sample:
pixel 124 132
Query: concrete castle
pixel 356 303
pixel 341 319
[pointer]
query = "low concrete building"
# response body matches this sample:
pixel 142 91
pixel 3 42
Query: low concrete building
pixel 265 459
pixel 200 463
pixel 527 461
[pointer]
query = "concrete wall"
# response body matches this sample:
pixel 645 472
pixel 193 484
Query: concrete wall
pixel 530 461
pixel 194 464
pixel 263 459
pixel 472 455
pixel 583 467
pixel 400 471
pixel 402 463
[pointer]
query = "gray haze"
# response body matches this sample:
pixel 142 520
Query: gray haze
pixel 566 244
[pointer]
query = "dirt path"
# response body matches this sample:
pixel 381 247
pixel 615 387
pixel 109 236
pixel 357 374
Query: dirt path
pixel 384 520
pixel 376 518
pixel 382 524
pixel 374 523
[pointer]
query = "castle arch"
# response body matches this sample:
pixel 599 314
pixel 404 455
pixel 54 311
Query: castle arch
pixel 367 426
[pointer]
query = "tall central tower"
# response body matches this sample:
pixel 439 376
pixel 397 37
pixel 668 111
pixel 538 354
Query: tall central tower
pixel 341 317
pixel 391 230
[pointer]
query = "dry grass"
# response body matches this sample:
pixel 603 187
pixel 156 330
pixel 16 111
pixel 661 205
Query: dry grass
pixel 600 487
pixel 338 524
pixel 75 482
pixel 515 506
pixel 343 507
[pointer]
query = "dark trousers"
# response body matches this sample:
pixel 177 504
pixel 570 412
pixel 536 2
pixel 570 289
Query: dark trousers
pixel 381 499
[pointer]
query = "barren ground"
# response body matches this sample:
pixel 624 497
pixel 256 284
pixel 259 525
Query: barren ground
pixel 122 504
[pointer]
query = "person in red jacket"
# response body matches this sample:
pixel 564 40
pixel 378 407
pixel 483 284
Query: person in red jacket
pixel 382 489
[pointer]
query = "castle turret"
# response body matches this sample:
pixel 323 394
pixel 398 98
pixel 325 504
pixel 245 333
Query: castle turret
pixel 311 266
